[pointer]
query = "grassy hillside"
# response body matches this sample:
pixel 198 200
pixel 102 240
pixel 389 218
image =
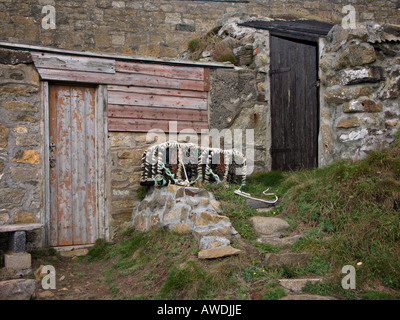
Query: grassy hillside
pixel 348 213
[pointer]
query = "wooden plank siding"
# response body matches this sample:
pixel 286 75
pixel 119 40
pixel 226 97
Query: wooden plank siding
pixel 72 63
pixel 141 96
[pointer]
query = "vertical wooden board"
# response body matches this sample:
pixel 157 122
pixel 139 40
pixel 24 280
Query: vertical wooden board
pixel 294 104
pixel 45 217
pixel 63 147
pixel 206 79
pixel 53 183
pixel 91 160
pixel 102 156
pixel 78 164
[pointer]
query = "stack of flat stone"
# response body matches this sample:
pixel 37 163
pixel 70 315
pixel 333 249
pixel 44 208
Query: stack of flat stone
pixel 187 210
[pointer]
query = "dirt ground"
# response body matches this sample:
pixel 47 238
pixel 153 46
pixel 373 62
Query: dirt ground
pixel 75 280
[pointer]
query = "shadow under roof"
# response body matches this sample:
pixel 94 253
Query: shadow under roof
pixel 300 29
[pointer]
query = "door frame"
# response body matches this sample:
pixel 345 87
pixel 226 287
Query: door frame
pixel 268 94
pixel 101 132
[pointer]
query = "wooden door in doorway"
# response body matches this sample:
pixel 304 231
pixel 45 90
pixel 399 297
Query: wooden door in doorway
pixel 72 143
pixel 294 104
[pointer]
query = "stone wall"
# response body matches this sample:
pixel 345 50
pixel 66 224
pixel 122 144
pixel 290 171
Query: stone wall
pixel 157 27
pixel 360 89
pixel 184 210
pixel 21 188
pixel 124 173
pixel 239 97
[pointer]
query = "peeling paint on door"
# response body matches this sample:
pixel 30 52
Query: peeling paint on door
pixel 73 158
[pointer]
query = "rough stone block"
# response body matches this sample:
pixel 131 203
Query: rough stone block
pixel 20 106
pixel 15 57
pixel 355 55
pixel 17 261
pixel 4 132
pixel 24 174
pixel 352 122
pixel 213 242
pixel 140 223
pixel 11 198
pixel 27 156
pixel 205 218
pixel 181 228
pixel 361 75
pixel 4 218
pixel 22 217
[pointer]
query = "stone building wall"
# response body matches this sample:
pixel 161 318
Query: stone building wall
pixel 360 89
pixel 157 27
pixel 125 154
pixel 21 187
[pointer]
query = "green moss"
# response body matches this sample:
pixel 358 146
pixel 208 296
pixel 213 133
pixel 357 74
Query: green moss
pixel 227 57
pixel 194 45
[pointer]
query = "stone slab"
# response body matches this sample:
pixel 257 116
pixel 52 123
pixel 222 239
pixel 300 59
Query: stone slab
pixel 19 289
pixel 296 285
pixel 20 227
pixel 218 253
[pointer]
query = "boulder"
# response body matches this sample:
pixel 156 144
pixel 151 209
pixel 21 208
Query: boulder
pixel 19 289
pixel 269 225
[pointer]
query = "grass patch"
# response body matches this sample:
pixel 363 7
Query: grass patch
pixel 99 251
pixel 348 212
pixel 376 295
pixel 274 292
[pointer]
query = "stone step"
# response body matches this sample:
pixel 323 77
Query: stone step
pixel 278 241
pixel 218 253
pixel 296 285
pixel 289 259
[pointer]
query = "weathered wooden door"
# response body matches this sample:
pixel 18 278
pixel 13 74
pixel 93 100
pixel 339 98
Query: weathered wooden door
pixel 72 143
pixel 294 104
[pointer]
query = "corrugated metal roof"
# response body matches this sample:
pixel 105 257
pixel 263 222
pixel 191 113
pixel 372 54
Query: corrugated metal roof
pixel 300 28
